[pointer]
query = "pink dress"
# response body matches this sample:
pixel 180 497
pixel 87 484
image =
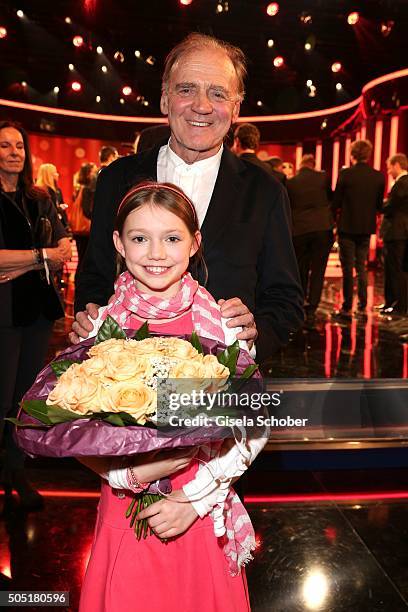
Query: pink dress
pixel 187 573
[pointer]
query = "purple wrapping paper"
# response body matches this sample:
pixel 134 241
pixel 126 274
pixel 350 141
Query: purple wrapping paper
pixel 84 437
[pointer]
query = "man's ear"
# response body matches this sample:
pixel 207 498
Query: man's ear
pixel 196 243
pixel 235 111
pixel 164 102
pixel 118 243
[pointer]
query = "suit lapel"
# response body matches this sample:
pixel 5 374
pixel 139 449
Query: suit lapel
pixel 226 196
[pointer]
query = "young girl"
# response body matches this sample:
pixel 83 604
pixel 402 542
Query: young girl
pixel 203 533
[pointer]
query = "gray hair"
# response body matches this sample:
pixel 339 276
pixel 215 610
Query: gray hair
pixel 196 42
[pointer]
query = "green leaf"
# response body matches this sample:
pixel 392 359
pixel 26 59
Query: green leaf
pixel 195 341
pixel 37 409
pixel 109 329
pixel 229 357
pixel 143 332
pixel 249 371
pixel 114 419
pixel 59 367
pixel 56 414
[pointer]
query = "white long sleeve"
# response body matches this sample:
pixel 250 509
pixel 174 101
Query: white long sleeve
pixel 211 484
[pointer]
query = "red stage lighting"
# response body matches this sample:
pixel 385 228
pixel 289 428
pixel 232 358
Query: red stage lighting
pixel 76 86
pixel 353 18
pixel 3 32
pixel 77 41
pixel 126 90
pixel 336 67
pixel 186 2
pixel 272 9
pixel 278 61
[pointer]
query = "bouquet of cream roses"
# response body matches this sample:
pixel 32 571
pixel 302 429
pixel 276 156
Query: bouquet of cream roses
pixel 100 398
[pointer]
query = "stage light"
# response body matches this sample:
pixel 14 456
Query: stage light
pixel 20 14
pixel 312 91
pixel 308 46
pixel 98 99
pixel 259 103
pixel 71 67
pixel 68 20
pixel 77 41
pixel 336 67
pixel 309 83
pixel 150 60
pixel 278 61
pixel 386 28
pixel 119 57
pixel 186 2
pixel 24 83
pixel 137 53
pixel 305 18
pixel 339 86
pixel 122 101
pixel 99 50
pixel 271 42
pixel 324 124
pixel 126 90
pixel 3 32
pixel 76 86
pixel 104 69
pixel 56 89
pixel 219 8
pixel 272 9
pixel 353 18
pixel 145 102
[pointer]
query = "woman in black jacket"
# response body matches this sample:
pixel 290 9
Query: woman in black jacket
pixel 33 244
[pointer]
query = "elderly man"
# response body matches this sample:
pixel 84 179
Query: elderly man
pixel 243 212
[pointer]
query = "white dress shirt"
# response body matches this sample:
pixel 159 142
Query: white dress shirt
pixel 197 180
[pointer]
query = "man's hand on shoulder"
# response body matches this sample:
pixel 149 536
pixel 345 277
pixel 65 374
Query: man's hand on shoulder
pixel 240 316
pixel 83 324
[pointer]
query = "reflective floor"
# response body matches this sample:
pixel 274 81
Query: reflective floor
pixel 311 556
pixel 368 346
pixel 331 555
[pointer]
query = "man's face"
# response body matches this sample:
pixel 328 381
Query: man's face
pixel 393 170
pixel 201 102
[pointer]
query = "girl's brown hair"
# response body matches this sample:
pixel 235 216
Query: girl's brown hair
pixel 171 198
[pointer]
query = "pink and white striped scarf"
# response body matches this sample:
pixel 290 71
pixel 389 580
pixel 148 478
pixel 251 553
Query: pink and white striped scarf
pixel 239 538
pixel 129 301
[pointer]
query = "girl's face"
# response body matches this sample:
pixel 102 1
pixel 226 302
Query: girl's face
pixel 156 246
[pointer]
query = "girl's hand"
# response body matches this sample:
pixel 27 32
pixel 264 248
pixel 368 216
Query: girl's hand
pixel 159 464
pixel 169 518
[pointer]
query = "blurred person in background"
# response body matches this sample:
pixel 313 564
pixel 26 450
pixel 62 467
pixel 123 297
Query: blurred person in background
pixel 394 231
pixel 80 213
pixel 276 164
pixel 312 225
pixel 32 242
pixel 357 200
pixel 107 155
pixel 47 179
pixel 288 169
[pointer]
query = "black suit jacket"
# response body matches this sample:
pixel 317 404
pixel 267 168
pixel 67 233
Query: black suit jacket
pixel 395 222
pixel 309 193
pixel 359 196
pixel 246 237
